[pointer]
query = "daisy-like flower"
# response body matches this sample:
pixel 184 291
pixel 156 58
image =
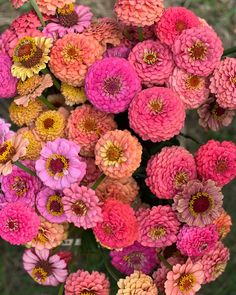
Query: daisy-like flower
pixel 223 224
pixel 223 83
pixel 50 206
pixel 70 19
pixel 32 88
pixel 30 56
pixel 85 283
pixel 82 206
pixel 44 268
pixel 199 203
pixel 217 161
pixel 169 170
pixel 198 51
pixel 111 84
pixel 193 90
pixel 92 172
pixel 156 114
pixel 214 117
pixel 119 228
pixel 158 227
pixel 11 151
pixel 5 132
pixel 59 165
pixel 73 95
pixel 86 125
pixel 137 13
pixel 18 223
pixel 173 22
pixel 137 283
pixel 71 57
pixel 152 61
pixel 134 257
pixel 118 154
pixel 184 279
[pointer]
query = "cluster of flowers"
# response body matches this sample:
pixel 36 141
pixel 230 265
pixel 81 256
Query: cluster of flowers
pixel 72 161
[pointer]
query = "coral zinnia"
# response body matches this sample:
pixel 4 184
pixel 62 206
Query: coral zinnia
pixel 51 7
pixel 223 224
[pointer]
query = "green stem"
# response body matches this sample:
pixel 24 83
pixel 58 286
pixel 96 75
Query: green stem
pixel 189 137
pixel 44 100
pixel 61 290
pixel 38 12
pixel 55 81
pixel 25 168
pixel 229 51
pixel 162 258
pixel 140 34
pixel 98 181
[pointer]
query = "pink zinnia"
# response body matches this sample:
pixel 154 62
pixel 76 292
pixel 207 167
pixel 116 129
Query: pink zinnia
pixel 198 51
pixel 158 227
pixel 169 170
pixel 193 90
pixel 111 84
pixel 59 164
pixel 173 22
pixel 19 223
pixel 92 172
pixel 119 228
pixel 18 3
pixel 25 22
pixel 82 206
pixel 152 61
pixel 44 268
pixel 223 83
pixel 217 161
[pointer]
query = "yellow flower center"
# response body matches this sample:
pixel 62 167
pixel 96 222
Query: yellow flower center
pixel 19 186
pixel 180 179
pixel 71 53
pixel 54 205
pixel 180 26
pixel 234 80
pixel 194 82
pixel 200 203
pixel 186 282
pixel 39 275
pixel 156 105
pixel 198 51
pixel 157 232
pixel 89 125
pixel 57 165
pixel 219 269
pixel 221 166
pixel 66 9
pixel 112 154
pixel 85 292
pixel 29 85
pixel 150 57
pixel 79 208
pixel 42 236
pixel 67 16
pixel 7 151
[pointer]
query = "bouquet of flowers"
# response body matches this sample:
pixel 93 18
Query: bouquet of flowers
pixel 94 182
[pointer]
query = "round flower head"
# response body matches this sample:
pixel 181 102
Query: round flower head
pixel 51 7
pixel 7 81
pixel 223 224
pixel 133 34
pixel 119 228
pixel 25 22
pixel 139 14
pixel 82 206
pixel 214 117
pixel 85 283
pixel 50 206
pixel 217 161
pixel 223 83
pixel 30 56
pixel 193 90
pixel 124 190
pixel 73 95
pixel 18 223
pixel 156 114
pixel 21 115
pixel 59 165
pixel 158 227
pixel 20 185
pixel 121 51
pixel 152 61
pixel 184 279
pixel 18 3
pixel 197 241
pixel 135 257
pixel 32 88
pixel 5 132
pixel 137 283
pixel 198 51
pixel 92 172
pixel 199 203
pixel 169 170
pixel 44 268
pixel 70 19
pixel 118 154
pixel 71 57
pixel 111 84
pixel 173 22
pixel 215 262
pixel 86 125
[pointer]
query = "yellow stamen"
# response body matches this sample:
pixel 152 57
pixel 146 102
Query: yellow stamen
pixel 198 51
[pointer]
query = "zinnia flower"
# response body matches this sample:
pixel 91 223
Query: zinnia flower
pixel 118 154
pixel 111 84
pixel 119 228
pixel 26 22
pixel 223 224
pixel 18 3
pixel 92 172
pixel 83 282
pixel 50 8
pixel 152 61
pixel 199 203
pixel 30 56
pixel 137 283
pixel 73 95
pixel 59 165
pixel 18 223
pixel 217 161
pixel 156 114
pixel 44 268
pixel 198 51
pixel 121 51
pixel 169 170
pixel 82 206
